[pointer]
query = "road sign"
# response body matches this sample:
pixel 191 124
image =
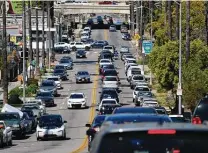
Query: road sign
pixel 137 37
pixel 147 46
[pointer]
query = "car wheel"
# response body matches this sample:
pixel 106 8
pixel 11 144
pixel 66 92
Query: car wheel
pixel 87 48
pixel 64 136
pixel 10 142
pixel 38 139
pixel 74 48
pixel 1 142
pixel 133 100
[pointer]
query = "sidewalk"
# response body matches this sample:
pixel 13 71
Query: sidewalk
pixel 11 86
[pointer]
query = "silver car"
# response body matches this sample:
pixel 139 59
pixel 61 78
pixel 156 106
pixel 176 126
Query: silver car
pixel 82 76
pixel 124 49
pixel 111 82
pixel 135 79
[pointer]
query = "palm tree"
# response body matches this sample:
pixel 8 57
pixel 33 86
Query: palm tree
pixel 169 11
pixel 187 30
pixel 206 21
pixel 177 21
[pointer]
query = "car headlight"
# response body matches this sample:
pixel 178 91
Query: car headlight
pixel 60 131
pixel 83 102
pixel 15 125
pixel 69 102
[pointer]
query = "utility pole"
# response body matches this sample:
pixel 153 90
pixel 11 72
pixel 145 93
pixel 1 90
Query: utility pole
pixel 137 16
pixel 49 36
pixel 37 41
pixel 48 18
pixel 30 37
pixel 4 55
pixel 132 18
pixel 141 32
pixel 24 49
pixel 43 33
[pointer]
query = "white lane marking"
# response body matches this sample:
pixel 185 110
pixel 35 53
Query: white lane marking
pixel 87 53
pixel 95 52
pixel 73 53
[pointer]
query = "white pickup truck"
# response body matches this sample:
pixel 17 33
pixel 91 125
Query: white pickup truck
pixel 62 44
pixel 79 45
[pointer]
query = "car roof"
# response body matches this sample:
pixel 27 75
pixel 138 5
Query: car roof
pixel 82 71
pixel 77 93
pixel 126 115
pixel 48 115
pixel 9 113
pixel 108 99
pixel 175 115
pixel 138 108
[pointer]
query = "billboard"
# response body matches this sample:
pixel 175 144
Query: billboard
pixel 15 6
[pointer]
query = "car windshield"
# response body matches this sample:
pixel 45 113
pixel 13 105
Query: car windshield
pixel 110 73
pixel 138 78
pixel 58 71
pixel 178 119
pixel 29 113
pixel 65 61
pixel 135 111
pixel 141 89
pixel 108 102
pixel 51 120
pixel 98 120
pixel 145 94
pixel 110 79
pixel 129 56
pixel 161 111
pixel 108 66
pixel 54 79
pixel 104 61
pixel 83 73
pixel 80 51
pixel 44 94
pixel 112 26
pixel 59 67
pixel 100 42
pixel 30 107
pixel 9 117
pixel 78 43
pixel 184 141
pixel 135 72
pixel 47 84
pixel 135 119
pixel 76 96
pixel 108 47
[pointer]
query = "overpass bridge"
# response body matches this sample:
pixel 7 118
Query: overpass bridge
pixel 87 8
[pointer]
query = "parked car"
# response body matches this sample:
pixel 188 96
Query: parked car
pixel 6 135
pixel 46 97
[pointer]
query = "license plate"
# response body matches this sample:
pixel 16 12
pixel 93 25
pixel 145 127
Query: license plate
pixel 50 132
pixel 80 56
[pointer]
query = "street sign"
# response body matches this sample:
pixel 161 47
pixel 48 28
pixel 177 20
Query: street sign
pixel 147 46
pixel 137 37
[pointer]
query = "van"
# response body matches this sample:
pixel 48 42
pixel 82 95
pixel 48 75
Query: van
pixel 134 70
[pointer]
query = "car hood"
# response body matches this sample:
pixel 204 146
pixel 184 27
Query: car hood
pixel 44 98
pixel 47 88
pixel 76 100
pixel 65 64
pixel 80 53
pixel 83 76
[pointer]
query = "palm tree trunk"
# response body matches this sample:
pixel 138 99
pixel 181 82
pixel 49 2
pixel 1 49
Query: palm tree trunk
pixel 4 54
pixel 187 30
pixel 37 42
pixel 169 20
pixel 30 35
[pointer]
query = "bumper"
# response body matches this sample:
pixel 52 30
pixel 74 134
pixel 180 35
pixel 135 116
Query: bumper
pixel 80 56
pixel 80 105
pixel 50 134
pixel 48 104
pixel 17 131
pixel 83 80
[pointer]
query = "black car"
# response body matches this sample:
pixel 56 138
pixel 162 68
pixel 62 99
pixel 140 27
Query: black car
pixel 32 117
pixel 107 109
pixel 126 36
pixel 110 72
pixel 61 73
pixel 57 67
pixel 98 44
pixel 104 67
pixel 46 97
pixel 201 111
pixel 134 110
pixel 81 54
pixel 105 56
pixel 109 93
pixel 94 127
pixel 68 58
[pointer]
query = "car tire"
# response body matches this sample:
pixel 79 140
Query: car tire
pixel 1 142
pixel 64 136
pixel 74 48
pixel 87 48
pixel 10 142
pixel 38 139
pixel 133 100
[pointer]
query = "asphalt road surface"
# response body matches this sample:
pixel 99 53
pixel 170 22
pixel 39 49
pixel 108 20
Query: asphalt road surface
pixel 77 118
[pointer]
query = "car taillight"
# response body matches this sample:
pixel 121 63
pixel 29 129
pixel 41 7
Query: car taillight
pixel 161 131
pixel 176 151
pixel 196 120
pixel 97 129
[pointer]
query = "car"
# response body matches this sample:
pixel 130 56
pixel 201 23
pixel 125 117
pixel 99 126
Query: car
pixel 135 79
pixel 138 89
pixel 84 36
pixel 34 107
pixel 107 109
pixel 178 118
pixel 111 82
pixel 28 122
pixel 49 85
pixel 141 95
pixel 124 49
pixel 200 113
pixel 105 62
pixel 98 44
pixel 108 101
pixel 82 76
pixel 76 100
pixel 104 67
pixel 112 28
pixel 59 67
pixel 110 48
pixel 94 128
pixel 151 138
pixel 161 110
pixel 62 73
pixel 61 44
pixel 6 134
pixel 51 126
pixel 126 36
pixel 110 72
pixel 32 117
pixel 46 97
pixel 128 66
pixel 39 102
pixel 81 54
pixel 109 93
pixel 104 56
pixel 68 58
pixel 66 63
pixel 136 118
pixel 150 103
pixel 14 120
pixel 134 110
pixel 57 81
pixel 123 55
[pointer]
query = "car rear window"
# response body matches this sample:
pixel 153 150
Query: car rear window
pixel 147 142
pixel 110 73
pixel 108 47
pixel 178 119
pixel 110 79
pixel 142 89
pixel 135 111
pixel 108 102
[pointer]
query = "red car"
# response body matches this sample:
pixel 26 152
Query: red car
pixel 105 3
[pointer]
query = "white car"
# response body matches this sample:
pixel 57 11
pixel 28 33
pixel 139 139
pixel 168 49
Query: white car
pixel 62 44
pixel 111 82
pixel 105 62
pixel 79 45
pixel 139 88
pixel 178 118
pixel 37 102
pixel 107 101
pixel 150 104
pixel 51 126
pixel 7 133
pixel 57 81
pixel 76 100
pixel 109 47
pixel 85 36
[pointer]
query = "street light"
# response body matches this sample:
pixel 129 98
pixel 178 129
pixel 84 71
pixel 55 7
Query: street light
pixel 179 90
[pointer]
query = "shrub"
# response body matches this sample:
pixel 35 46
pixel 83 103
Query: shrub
pixel 16 91
pixel 14 99
pixel 31 90
pixel 32 81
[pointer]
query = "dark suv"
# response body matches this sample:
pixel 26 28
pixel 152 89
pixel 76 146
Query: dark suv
pixel 201 111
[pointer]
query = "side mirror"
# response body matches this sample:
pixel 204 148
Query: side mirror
pixel 88 125
pixel 65 121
